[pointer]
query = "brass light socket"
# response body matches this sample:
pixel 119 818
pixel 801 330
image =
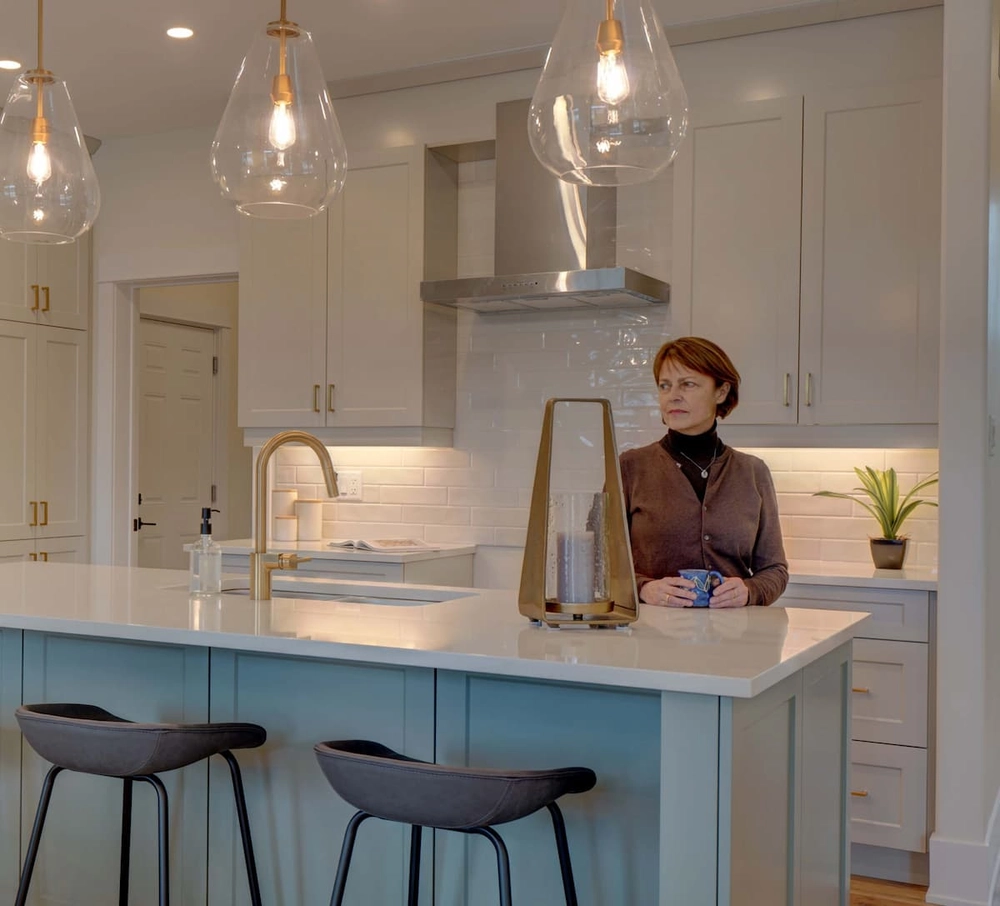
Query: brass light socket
pixel 610 36
pixel 281 89
pixel 283 29
pixel 39 130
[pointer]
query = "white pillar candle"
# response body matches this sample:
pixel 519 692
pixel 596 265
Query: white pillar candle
pixel 310 513
pixel 575 567
pixel 286 528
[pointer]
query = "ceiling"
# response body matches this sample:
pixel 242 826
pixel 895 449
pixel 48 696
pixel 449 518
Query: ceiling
pixel 127 78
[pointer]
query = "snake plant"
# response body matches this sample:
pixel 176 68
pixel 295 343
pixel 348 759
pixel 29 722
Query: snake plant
pixel 881 487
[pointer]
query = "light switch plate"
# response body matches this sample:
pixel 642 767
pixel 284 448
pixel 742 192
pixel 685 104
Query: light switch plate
pixel 350 484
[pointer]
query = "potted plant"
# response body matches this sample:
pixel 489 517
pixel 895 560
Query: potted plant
pixel 881 487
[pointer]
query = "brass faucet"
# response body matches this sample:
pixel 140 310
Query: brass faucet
pixel 262 564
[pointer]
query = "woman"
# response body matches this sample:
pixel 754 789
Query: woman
pixel 693 502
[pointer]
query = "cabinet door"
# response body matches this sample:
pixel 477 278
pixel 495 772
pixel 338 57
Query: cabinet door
pixel 282 323
pixel 375 327
pixel 62 439
pixel 737 200
pixel 62 273
pixel 16 551
pixel 870 255
pixel 17 439
pixel 16 299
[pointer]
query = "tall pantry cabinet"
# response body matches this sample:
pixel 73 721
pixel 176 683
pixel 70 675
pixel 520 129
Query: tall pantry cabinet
pixel 44 369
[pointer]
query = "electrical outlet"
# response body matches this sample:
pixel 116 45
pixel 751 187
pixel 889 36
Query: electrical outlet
pixel 350 484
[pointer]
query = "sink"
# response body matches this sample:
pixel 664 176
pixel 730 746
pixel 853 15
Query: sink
pixel 332 596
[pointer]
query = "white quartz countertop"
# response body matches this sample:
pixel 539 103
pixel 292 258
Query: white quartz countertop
pixel 825 572
pixel 322 550
pixel 737 653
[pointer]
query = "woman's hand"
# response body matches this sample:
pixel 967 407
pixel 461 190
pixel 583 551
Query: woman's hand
pixel 732 592
pixel 670 591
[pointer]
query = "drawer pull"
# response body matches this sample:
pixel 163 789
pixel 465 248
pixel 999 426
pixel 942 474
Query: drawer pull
pixel 35 288
pixel 861 690
pixel 34 512
pixel 45 290
pixel 34 557
pixel 329 398
pixel 316 389
pixel 860 794
pixel 45 513
pixel 787 401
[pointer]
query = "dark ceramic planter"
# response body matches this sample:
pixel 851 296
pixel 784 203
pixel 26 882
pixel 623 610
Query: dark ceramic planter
pixel 888 554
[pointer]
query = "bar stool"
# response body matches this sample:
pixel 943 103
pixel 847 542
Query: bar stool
pixel 381 783
pixel 90 740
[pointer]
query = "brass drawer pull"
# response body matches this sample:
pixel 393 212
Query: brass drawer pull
pixel 809 388
pixel 34 512
pixel 34 558
pixel 329 398
pixel 316 389
pixel 860 794
pixel 861 690
pixel 45 513
pixel 787 396
pixel 35 288
pixel 45 290
pixel 45 556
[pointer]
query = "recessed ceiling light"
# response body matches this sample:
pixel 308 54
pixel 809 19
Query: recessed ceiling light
pixel 9 64
pixel 180 32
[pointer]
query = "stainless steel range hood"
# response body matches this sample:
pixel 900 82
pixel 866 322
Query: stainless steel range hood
pixel 554 246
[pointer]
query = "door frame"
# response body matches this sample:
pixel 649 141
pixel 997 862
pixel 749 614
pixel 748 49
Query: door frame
pixel 115 426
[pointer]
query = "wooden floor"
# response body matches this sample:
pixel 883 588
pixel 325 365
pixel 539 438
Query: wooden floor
pixel 869 892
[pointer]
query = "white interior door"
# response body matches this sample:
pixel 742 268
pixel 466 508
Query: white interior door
pixel 176 438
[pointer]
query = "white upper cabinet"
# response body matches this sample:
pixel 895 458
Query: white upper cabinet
pixel 737 199
pixel 282 322
pixel 851 189
pixel 333 334
pixel 871 190
pixel 43 447
pixel 46 284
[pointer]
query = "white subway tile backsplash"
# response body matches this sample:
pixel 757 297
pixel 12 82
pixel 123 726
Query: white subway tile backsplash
pixel 509 365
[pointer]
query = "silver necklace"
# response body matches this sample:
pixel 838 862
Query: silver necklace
pixel 703 469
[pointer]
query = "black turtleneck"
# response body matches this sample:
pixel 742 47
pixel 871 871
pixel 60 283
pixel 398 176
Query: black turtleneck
pixel 701 448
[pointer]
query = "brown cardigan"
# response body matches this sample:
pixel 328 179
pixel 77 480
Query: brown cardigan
pixel 735 531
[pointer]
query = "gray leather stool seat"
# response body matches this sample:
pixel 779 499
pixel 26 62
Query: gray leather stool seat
pixel 90 740
pixel 381 783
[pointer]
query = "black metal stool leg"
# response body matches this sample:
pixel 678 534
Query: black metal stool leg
pixel 503 860
pixel 126 841
pixel 414 893
pixel 565 866
pixel 36 836
pixel 244 820
pixel 345 857
pixel 163 834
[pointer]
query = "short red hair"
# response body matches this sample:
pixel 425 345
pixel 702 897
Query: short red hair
pixel 706 358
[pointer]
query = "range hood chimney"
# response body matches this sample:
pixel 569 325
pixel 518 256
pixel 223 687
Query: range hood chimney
pixel 554 246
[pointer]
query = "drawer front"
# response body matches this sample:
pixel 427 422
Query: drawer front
pixel 897 614
pixel 889 692
pixel 888 796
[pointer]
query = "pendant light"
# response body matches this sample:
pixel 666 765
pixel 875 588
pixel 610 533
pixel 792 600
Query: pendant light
pixel 48 188
pixel 278 152
pixel 609 108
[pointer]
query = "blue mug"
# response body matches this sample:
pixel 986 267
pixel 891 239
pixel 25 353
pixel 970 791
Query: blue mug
pixel 705 582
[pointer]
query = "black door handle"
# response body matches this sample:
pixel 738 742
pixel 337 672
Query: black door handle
pixel 138 524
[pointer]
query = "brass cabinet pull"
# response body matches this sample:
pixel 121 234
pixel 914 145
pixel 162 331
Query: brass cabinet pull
pixel 34 557
pixel 45 556
pixel 809 388
pixel 329 398
pixel 860 794
pixel 788 381
pixel 34 512
pixel 45 513
pixel 861 690
pixel 35 288
pixel 45 290
pixel 316 389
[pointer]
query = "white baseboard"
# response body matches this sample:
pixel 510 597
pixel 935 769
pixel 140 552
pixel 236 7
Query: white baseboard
pixel 889 864
pixel 964 872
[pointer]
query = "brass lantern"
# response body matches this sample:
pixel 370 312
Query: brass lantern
pixel 577 567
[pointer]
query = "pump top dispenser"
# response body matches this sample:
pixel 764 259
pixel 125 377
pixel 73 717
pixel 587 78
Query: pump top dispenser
pixel 206 559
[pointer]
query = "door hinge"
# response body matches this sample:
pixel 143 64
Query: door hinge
pixel 215 493
pixel 215 364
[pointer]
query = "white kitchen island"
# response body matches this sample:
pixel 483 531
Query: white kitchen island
pixel 720 739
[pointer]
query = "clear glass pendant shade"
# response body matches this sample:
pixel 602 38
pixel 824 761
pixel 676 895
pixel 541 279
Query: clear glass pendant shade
pixel 48 187
pixel 609 108
pixel 278 152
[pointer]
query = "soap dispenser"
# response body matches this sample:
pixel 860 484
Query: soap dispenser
pixel 206 559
